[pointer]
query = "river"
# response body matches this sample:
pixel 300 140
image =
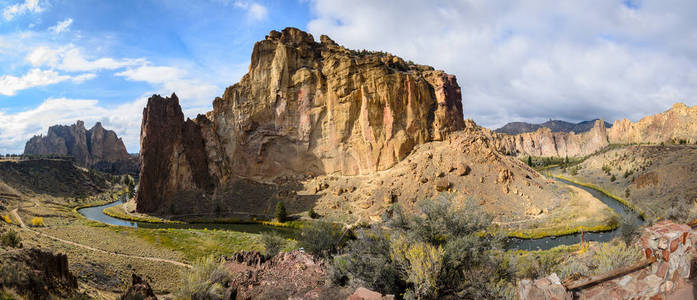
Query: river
pixel 545 243
pixel 96 213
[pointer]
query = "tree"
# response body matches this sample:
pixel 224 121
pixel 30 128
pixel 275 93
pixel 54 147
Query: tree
pixel 529 160
pixel 281 214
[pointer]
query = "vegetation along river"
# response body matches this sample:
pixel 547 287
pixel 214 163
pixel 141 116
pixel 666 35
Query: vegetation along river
pixel 627 214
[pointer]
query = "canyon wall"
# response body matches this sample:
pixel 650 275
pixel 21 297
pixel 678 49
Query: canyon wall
pixel 678 124
pixel 94 148
pixel 303 109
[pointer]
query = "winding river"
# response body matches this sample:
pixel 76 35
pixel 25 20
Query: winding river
pixel 96 213
pixel 545 243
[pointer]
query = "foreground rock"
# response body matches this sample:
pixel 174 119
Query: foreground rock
pixel 36 274
pixel 288 275
pixel 678 124
pixel 139 290
pixel 95 148
pixel 304 109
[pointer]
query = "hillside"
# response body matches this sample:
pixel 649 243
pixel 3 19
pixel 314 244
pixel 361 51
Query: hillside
pixel 553 125
pixel 59 178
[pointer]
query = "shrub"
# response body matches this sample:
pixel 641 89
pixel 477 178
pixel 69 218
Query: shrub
pixel 11 239
pixel 322 239
pixel 312 213
pixel 420 263
pixel 37 222
pixel 7 219
pixel 281 214
pixel 273 243
pixel 367 261
pixel 441 222
pixel 606 169
pixel 203 280
pixel 613 178
pixel 629 229
pixel 613 255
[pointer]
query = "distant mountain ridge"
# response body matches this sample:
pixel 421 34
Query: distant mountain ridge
pixel 554 125
pixel 96 148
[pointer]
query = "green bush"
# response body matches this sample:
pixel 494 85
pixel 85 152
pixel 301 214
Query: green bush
pixel 312 214
pixel 281 214
pixel 421 264
pixel 367 261
pixel 273 243
pixel 613 178
pixel 203 280
pixel 11 239
pixel 614 255
pixel 322 239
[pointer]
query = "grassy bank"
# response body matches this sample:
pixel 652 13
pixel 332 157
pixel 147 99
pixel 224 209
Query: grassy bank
pixel 605 192
pixel 538 233
pixel 118 212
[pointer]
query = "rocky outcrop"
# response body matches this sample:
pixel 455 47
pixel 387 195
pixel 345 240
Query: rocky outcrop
pixel 37 274
pixel 95 148
pixel 303 109
pixel 678 125
pixel 553 125
pixel 139 290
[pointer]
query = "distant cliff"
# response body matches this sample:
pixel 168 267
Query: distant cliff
pixel 677 124
pixel 96 148
pixel 553 125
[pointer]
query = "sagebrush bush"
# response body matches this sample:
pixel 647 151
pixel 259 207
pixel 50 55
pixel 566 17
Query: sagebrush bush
pixel 312 214
pixel 421 264
pixel 613 255
pixel 11 239
pixel 37 222
pixel 322 239
pixel 203 281
pixel 273 243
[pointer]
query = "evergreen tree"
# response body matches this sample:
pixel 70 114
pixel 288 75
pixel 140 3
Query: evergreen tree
pixel 281 214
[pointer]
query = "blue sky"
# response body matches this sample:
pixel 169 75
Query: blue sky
pixel 64 60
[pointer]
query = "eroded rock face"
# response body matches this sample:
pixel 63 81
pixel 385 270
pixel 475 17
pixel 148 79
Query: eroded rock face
pixel 676 124
pixel 95 148
pixel 303 109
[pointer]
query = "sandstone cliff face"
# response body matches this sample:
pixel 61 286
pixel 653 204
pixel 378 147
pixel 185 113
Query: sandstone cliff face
pixel 318 108
pixel 95 148
pixel 675 124
pixel 304 109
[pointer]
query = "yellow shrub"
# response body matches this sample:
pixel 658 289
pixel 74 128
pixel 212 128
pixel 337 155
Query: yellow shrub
pixel 7 219
pixel 422 263
pixel 37 222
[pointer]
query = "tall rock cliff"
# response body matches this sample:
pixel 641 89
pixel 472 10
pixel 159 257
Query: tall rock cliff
pixel 676 124
pixel 303 109
pixel 95 148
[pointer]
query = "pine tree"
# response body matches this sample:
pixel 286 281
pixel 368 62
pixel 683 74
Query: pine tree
pixel 281 214
pixel 529 160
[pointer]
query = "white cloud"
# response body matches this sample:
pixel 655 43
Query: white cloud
pixel 168 80
pixel 254 10
pixel 21 8
pixel 62 26
pixel 70 58
pixel 9 84
pixel 535 60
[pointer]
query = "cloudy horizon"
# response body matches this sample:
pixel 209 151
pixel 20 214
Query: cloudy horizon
pixel 61 61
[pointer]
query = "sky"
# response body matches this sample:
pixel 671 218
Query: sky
pixel 68 60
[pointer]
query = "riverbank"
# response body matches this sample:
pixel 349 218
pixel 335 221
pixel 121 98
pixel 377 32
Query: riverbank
pixel 605 192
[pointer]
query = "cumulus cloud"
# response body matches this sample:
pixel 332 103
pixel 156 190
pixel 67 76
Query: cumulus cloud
pixel 572 60
pixel 70 58
pixel 10 85
pixel 21 8
pixel 168 80
pixel 62 26
pixel 254 10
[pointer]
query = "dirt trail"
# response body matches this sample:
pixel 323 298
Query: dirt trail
pixel 21 224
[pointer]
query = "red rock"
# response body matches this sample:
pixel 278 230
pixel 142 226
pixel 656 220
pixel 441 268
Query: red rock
pixel 365 294
pixel 663 268
pixel 674 244
pixel 648 252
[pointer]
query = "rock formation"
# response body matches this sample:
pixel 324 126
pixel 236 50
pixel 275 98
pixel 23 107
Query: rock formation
pixel 554 125
pixel 95 148
pixel 37 274
pixel 678 125
pixel 303 109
